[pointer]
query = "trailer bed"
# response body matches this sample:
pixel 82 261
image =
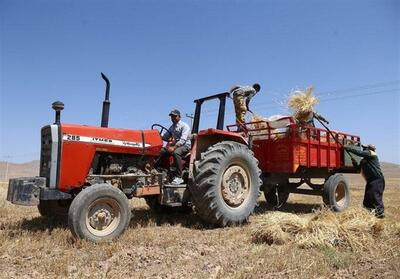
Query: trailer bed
pixel 282 146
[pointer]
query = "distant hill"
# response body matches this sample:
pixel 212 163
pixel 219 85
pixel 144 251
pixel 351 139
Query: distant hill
pixel 32 169
pixel 391 170
pixel 19 170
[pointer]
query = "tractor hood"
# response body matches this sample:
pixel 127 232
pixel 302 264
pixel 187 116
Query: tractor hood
pixel 116 140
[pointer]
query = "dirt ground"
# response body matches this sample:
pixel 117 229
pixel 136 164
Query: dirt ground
pixel 178 245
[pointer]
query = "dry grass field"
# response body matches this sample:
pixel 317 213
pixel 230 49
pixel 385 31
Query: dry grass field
pixel 301 240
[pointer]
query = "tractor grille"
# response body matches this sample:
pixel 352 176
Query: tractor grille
pixel 45 154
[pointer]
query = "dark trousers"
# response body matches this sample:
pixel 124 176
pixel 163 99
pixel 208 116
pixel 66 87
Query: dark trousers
pixel 374 194
pixel 177 154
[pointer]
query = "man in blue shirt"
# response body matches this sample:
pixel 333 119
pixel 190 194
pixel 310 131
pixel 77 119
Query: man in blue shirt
pixel 178 138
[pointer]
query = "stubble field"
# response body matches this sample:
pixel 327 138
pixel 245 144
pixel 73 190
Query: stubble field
pixel 301 240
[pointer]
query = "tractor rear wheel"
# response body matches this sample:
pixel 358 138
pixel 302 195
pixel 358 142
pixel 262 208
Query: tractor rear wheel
pixel 336 192
pixel 54 208
pixel 226 184
pixel 99 213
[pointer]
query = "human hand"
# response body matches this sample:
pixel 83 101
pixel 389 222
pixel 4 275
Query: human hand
pixel 171 142
pixel 171 149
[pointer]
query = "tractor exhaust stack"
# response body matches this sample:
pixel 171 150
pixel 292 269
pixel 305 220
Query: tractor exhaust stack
pixel 58 107
pixel 106 103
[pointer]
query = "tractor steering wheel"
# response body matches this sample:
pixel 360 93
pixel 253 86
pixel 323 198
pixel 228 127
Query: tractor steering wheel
pixel 160 128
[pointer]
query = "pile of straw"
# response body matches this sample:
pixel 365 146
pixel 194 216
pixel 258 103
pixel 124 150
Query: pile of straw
pixel 277 130
pixel 356 229
pixel 263 134
pixel 302 103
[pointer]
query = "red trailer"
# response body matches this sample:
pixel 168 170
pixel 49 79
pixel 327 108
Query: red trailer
pixel 289 152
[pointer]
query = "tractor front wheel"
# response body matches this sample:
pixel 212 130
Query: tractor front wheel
pixel 226 184
pixel 99 213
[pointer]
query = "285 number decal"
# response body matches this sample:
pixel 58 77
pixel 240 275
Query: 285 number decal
pixel 73 137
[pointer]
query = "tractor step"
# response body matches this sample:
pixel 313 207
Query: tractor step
pixel 174 195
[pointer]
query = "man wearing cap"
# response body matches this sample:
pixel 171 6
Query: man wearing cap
pixel 241 96
pixel 178 138
pixel 371 171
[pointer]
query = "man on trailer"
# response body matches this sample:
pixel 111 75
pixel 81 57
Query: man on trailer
pixel 371 171
pixel 241 96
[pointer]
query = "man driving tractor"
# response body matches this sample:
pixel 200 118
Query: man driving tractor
pixel 178 138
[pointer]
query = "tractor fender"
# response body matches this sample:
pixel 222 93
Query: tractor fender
pixel 206 138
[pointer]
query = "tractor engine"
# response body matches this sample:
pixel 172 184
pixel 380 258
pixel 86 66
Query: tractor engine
pixel 133 174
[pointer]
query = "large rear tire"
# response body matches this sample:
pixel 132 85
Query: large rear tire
pixel 336 192
pixel 226 184
pixel 99 213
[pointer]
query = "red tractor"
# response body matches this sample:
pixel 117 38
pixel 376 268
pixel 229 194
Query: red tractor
pixel 88 173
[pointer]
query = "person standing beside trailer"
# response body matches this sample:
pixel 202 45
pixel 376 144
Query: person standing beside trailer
pixel 371 171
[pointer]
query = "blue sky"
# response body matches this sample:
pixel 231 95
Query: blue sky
pixel 161 55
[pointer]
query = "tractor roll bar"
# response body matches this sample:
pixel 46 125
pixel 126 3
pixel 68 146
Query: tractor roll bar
pixel 221 110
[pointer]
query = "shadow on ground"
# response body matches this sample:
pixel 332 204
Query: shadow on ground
pixel 144 217
pixel 40 224
pixel 297 208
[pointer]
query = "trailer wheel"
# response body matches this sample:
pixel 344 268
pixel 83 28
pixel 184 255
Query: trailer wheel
pixel 226 184
pixel 277 196
pixel 54 208
pixel 99 213
pixel 336 192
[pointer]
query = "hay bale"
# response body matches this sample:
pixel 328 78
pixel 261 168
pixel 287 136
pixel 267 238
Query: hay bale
pixel 270 230
pixel 355 229
pixel 302 104
pixel 278 127
pixel 270 235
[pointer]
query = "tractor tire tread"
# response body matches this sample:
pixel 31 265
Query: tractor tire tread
pixel 206 177
pixel 329 190
pixel 83 200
